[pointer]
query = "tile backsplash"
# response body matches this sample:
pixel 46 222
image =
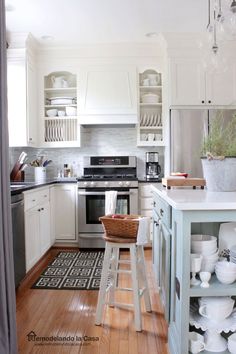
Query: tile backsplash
pixel 95 141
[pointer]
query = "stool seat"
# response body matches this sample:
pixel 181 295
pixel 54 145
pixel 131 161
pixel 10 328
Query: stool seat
pixel 110 270
pixel 116 239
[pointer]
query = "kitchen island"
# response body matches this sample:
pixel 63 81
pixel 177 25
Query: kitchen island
pixel 177 214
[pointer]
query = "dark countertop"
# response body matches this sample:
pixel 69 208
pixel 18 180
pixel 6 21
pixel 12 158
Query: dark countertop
pixel 20 187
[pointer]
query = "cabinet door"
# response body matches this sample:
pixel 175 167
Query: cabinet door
pixel 165 247
pixel 187 82
pixel 64 211
pixel 45 236
pixel 31 102
pixel 107 92
pixel 221 87
pixel 32 237
pixel 156 248
pixel 16 75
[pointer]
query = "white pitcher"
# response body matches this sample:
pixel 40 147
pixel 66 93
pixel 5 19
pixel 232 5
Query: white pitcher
pixel 59 81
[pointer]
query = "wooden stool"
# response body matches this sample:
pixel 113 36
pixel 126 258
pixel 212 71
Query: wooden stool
pixel 110 270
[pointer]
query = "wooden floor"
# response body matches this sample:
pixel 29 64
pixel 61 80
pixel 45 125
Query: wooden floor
pixel 70 313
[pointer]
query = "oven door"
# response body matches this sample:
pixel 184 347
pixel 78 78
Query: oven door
pixel 91 205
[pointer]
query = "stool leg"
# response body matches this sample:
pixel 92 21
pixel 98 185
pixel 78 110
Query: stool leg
pixel 103 284
pixel 114 267
pixel 135 286
pixel 143 272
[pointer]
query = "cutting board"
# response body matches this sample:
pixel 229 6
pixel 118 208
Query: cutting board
pixel 169 182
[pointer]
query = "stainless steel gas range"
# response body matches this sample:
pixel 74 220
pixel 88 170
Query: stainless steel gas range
pixel 102 173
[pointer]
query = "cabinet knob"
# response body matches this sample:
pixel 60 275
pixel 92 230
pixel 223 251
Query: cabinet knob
pixel 30 139
pixel 42 209
pixel 209 101
pixel 203 101
pixel 154 204
pixel 161 212
pixel 156 223
pixel 39 209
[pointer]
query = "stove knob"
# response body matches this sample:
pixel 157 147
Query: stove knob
pixel 85 184
pixel 127 184
pixel 106 184
pixel 92 184
pixel 121 184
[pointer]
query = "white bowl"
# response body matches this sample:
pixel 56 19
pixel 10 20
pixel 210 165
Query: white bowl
pixel 71 111
pixel 226 279
pixel 228 267
pixel 204 244
pixel 51 112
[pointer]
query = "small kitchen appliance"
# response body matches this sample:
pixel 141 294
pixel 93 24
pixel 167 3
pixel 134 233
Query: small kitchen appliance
pixel 153 169
pixel 101 174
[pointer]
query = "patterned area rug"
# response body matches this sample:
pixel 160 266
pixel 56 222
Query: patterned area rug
pixel 73 271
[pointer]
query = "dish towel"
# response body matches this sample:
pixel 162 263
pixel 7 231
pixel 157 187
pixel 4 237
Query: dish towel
pixel 143 230
pixel 110 202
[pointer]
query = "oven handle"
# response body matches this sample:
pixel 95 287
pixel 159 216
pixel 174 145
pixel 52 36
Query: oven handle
pixel 103 193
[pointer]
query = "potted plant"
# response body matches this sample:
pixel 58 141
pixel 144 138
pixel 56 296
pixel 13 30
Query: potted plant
pixel 219 154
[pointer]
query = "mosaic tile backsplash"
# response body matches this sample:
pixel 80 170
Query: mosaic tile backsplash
pixel 95 141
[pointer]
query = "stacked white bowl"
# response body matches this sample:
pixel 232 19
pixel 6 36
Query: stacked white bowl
pixel 225 272
pixel 205 245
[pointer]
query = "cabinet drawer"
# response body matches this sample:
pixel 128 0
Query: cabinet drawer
pixel 163 209
pixel 145 189
pixel 146 203
pixel 36 197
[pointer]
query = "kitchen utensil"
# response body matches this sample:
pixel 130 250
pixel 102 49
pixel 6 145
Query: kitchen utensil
pixel 46 163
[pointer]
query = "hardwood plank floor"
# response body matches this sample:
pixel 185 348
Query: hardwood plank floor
pixel 70 314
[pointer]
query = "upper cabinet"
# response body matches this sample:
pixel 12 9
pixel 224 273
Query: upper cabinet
pixel 22 102
pixel 192 85
pixel 108 95
pixel 150 122
pixel 59 118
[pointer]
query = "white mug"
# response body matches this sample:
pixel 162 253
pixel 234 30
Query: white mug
pixel 196 342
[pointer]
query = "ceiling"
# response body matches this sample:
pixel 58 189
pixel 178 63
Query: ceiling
pixel 104 21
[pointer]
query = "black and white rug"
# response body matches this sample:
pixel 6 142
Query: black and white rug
pixel 73 271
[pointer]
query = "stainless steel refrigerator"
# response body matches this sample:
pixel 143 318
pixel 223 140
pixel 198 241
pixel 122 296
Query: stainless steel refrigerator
pixel 187 130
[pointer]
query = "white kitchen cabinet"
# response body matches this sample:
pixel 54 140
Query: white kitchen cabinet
pixel 146 202
pixel 192 85
pixel 59 115
pixel 108 95
pixel 150 115
pixel 63 211
pixel 22 103
pixel 37 225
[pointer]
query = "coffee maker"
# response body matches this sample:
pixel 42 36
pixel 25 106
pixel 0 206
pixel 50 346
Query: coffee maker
pixel 153 169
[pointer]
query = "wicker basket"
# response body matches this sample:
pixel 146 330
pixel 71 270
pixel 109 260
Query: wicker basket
pixel 126 228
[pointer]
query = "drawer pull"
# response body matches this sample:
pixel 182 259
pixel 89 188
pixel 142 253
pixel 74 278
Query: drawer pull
pixel 33 200
pixel 39 209
pixel 154 204
pixel 45 196
pixel 156 223
pixel 161 212
pixel 42 209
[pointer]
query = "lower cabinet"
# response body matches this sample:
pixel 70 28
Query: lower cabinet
pixel 63 212
pixel 161 252
pixel 37 225
pixel 146 202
